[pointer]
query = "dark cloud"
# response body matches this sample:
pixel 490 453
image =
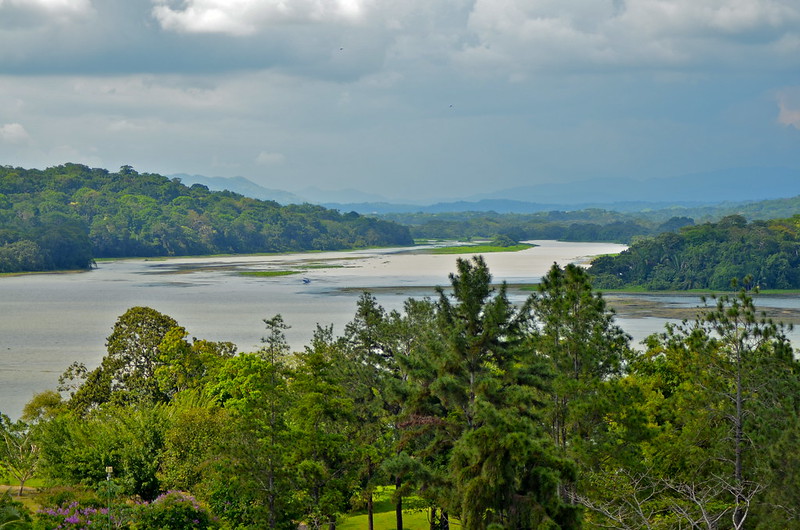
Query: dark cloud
pixel 395 96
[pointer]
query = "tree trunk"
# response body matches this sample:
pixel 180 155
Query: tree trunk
pixel 738 514
pixel 370 512
pixel 444 521
pixel 433 518
pixel 398 510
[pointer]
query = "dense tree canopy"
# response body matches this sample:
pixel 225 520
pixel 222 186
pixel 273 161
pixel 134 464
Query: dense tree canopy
pixel 65 216
pixel 709 256
pixel 591 224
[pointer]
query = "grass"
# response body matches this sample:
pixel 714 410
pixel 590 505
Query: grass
pixel 268 274
pixel 414 518
pixel 30 497
pixel 476 249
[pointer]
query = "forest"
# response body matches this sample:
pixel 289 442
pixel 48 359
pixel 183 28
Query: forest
pixel 592 224
pixel 621 225
pixel 65 217
pixel 476 412
pixel 708 256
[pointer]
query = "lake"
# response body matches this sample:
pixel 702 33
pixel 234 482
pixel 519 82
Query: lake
pixel 47 321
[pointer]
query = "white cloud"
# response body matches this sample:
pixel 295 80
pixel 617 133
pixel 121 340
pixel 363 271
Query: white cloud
pixel 245 17
pixel 54 7
pixel 789 108
pixel 124 125
pixel 573 34
pixel 13 133
pixel 266 158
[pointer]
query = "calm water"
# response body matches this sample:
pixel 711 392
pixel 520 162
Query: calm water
pixel 48 321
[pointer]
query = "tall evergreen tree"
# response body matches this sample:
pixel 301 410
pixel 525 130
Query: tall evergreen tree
pixel 504 470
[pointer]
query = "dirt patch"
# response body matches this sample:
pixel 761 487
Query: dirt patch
pixel 15 490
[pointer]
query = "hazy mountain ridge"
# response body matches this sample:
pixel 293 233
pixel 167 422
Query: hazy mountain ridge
pixel 696 190
pixel 731 185
pixel 242 186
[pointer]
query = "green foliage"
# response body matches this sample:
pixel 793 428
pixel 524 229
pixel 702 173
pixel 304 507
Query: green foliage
pixel 173 510
pixel 19 453
pixel 502 467
pixel 574 331
pixel 320 420
pixel 64 216
pixel 478 249
pixel 582 225
pixel 13 514
pixel 127 374
pixel 719 396
pixel 77 450
pixel 709 256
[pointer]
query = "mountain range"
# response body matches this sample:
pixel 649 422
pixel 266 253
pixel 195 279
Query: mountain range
pixel 742 184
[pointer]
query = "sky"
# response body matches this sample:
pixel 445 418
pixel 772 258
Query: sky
pixel 403 99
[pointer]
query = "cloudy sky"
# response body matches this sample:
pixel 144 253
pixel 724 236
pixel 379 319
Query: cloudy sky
pixel 408 99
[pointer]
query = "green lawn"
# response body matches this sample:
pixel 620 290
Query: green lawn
pixel 415 517
pixel 412 520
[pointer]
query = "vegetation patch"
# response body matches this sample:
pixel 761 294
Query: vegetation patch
pixel 268 274
pixel 765 254
pixel 477 249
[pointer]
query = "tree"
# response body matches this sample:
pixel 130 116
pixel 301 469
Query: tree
pixel 504 470
pixel 183 365
pixel 254 388
pixel 127 374
pixel 721 397
pixel 368 367
pixel 756 361
pixel 575 331
pixel 19 454
pixel 320 420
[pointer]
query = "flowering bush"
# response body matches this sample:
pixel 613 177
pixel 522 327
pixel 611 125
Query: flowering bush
pixel 174 510
pixel 72 516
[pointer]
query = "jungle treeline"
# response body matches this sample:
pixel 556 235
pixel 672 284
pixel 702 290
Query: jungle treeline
pixel 592 224
pixel 621 223
pixel 66 216
pixel 708 256
pixel 467 407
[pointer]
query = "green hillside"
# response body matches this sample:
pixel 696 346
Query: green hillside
pixel 65 216
pixel 709 256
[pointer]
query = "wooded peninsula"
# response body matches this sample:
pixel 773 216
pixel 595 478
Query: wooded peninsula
pixel 66 216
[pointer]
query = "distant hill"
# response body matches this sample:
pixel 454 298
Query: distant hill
pixel 242 186
pixel 734 185
pixel 501 206
pixel 692 191
pixel 65 216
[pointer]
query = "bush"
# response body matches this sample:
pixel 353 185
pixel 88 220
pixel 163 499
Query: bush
pixel 13 514
pixel 174 510
pixel 72 516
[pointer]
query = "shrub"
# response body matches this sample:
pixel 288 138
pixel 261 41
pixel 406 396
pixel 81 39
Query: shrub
pixel 13 514
pixel 174 510
pixel 72 516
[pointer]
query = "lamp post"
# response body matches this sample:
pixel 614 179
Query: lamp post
pixel 109 470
